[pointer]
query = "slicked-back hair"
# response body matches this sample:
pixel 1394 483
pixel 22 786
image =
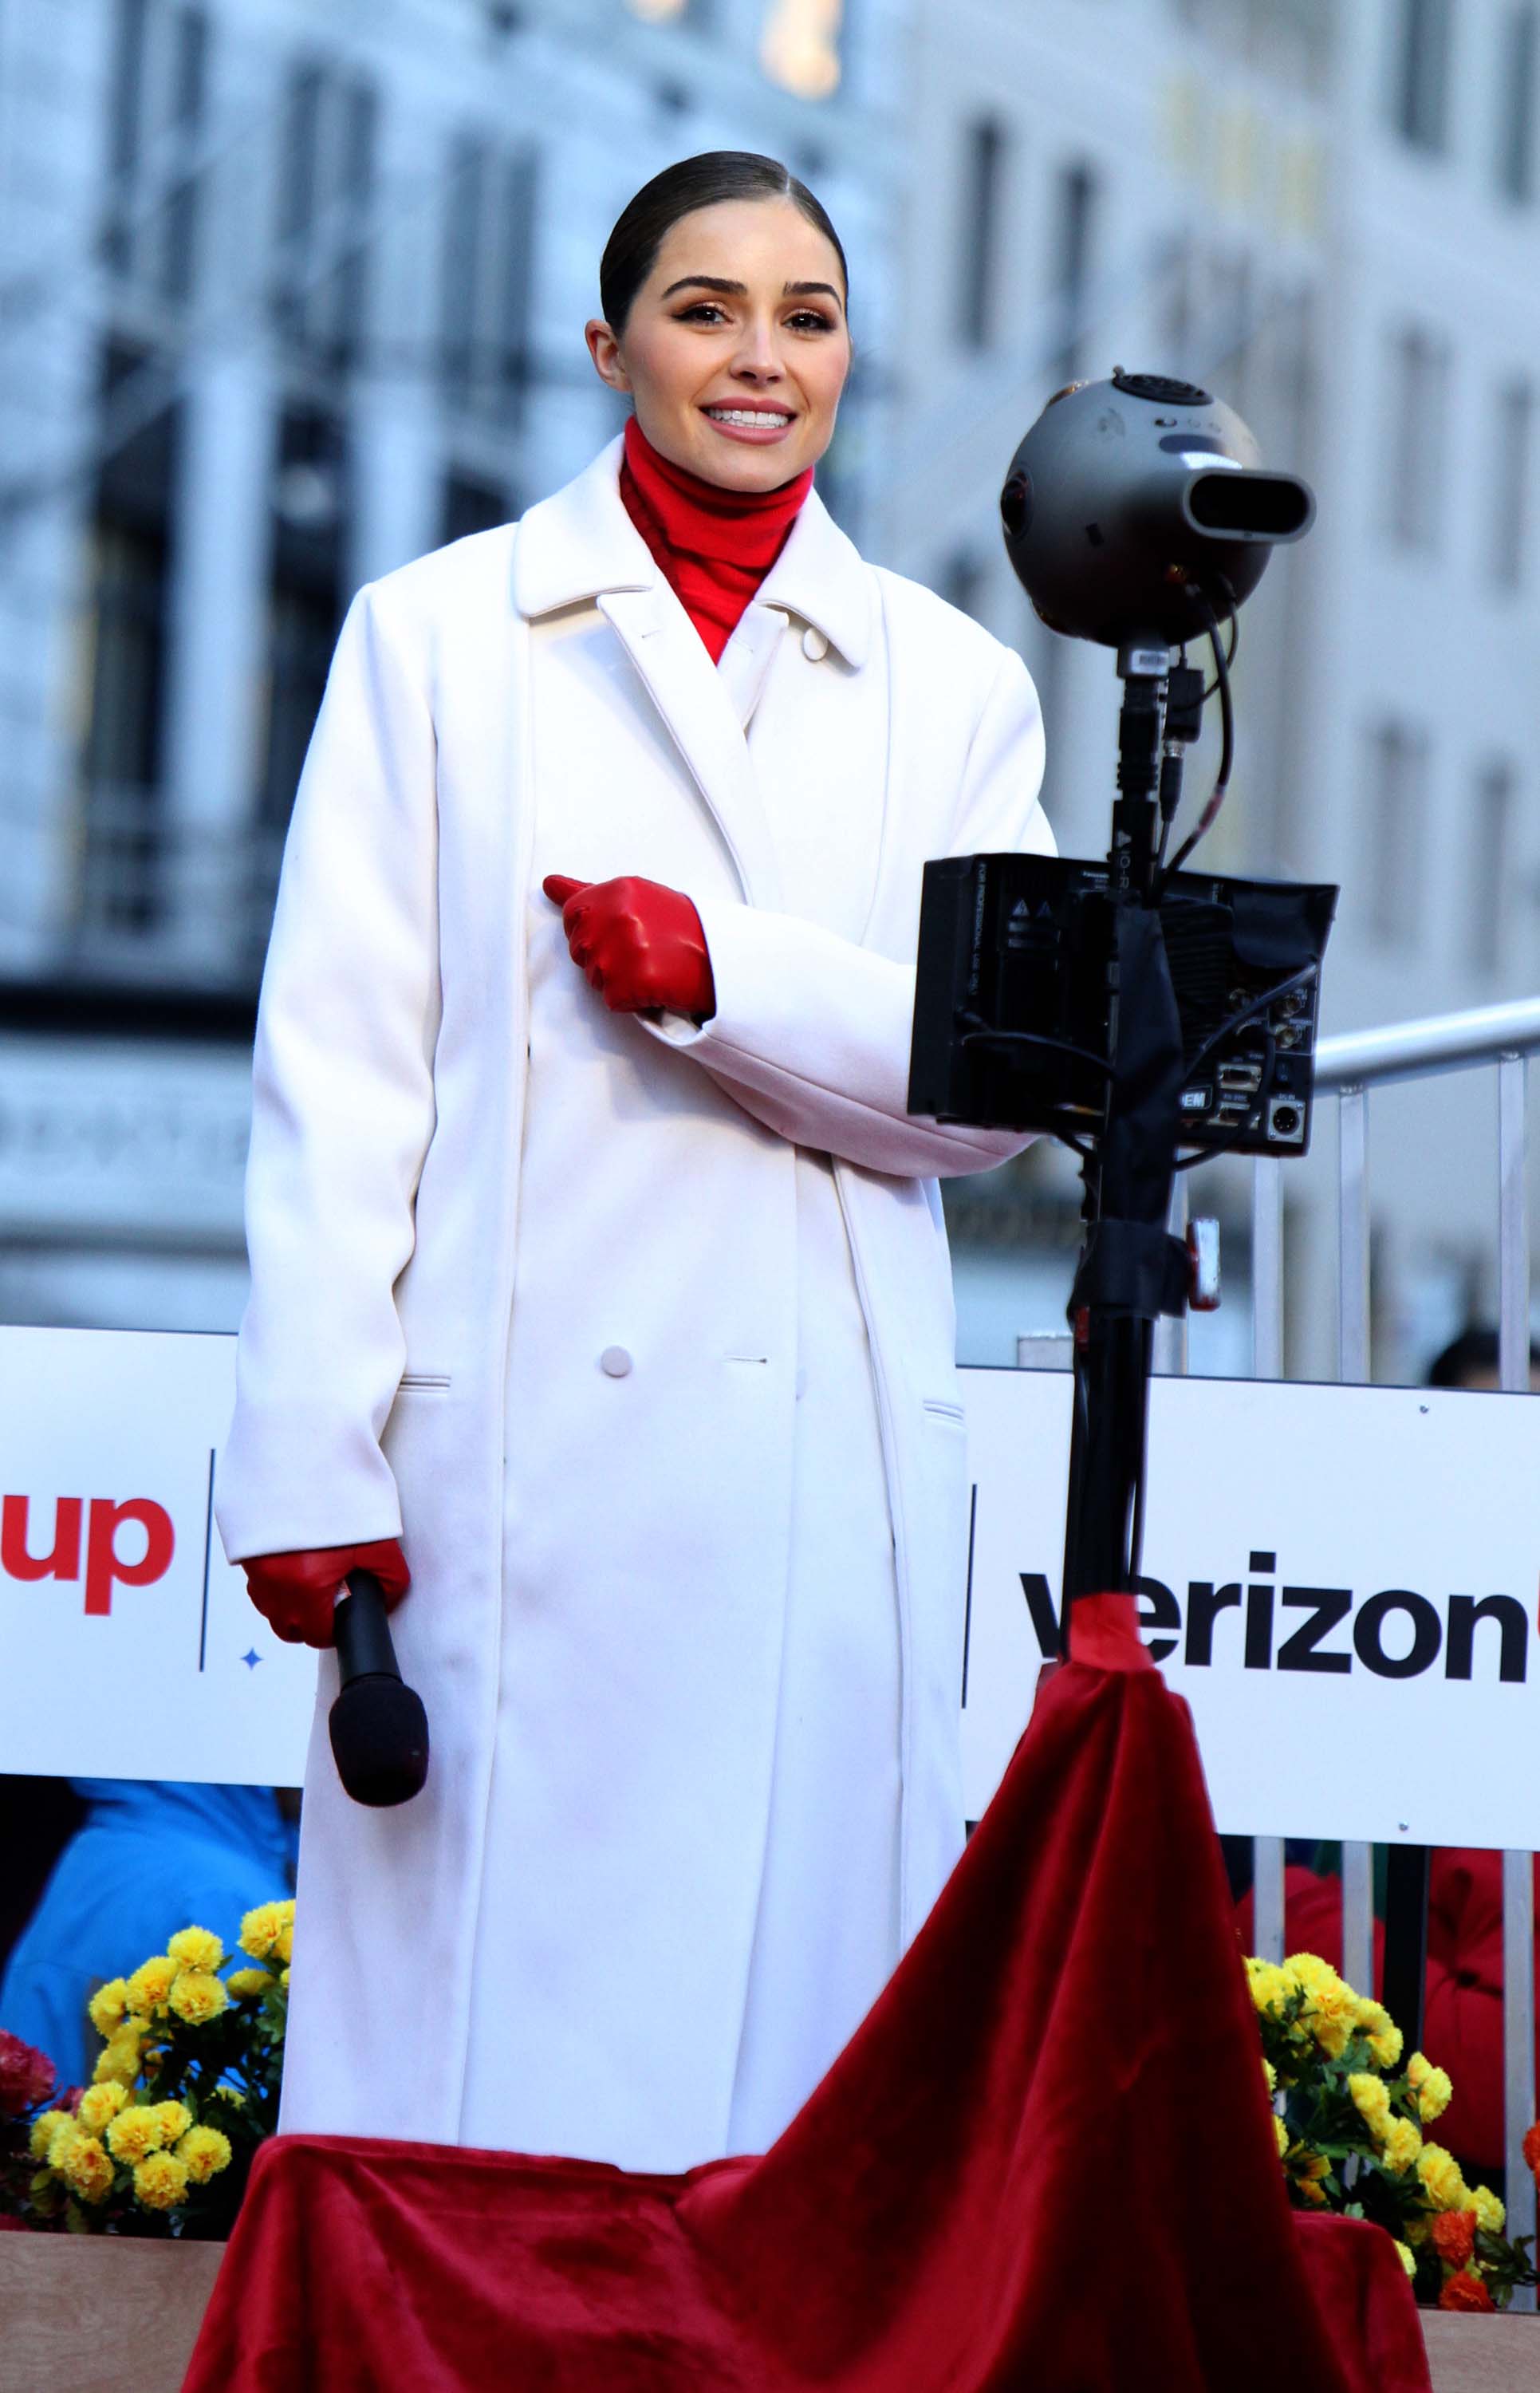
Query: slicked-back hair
pixel 703 182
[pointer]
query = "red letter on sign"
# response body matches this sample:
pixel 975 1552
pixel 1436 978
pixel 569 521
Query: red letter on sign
pixel 102 1565
pixel 63 1562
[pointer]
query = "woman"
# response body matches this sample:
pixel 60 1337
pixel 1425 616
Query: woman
pixel 629 1300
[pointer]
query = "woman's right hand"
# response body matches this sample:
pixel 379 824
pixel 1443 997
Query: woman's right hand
pixel 297 1593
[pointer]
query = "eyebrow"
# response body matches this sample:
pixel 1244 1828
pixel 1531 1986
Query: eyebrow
pixel 740 290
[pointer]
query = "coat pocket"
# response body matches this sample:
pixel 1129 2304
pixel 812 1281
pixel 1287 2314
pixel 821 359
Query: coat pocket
pixel 945 1409
pixel 430 1383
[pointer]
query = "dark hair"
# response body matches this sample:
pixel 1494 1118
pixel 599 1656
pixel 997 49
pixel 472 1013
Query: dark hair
pixel 1474 1349
pixel 717 175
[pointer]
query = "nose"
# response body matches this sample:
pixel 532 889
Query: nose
pixel 758 359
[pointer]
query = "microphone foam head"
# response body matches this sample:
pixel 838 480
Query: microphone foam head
pixel 380 1741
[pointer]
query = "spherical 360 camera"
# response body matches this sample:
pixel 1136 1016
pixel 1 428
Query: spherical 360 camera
pixel 1136 507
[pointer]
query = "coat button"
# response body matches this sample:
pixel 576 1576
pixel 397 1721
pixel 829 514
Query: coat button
pixel 814 644
pixel 615 1362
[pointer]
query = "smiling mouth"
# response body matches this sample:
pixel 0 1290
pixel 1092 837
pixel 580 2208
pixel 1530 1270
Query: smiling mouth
pixel 750 419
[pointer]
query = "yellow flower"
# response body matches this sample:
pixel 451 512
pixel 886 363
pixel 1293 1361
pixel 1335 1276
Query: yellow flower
pixel 1280 2132
pixel 150 1983
pixel 160 2182
pixel 100 2106
pixel 136 2132
pixel 283 1977
pixel 204 2151
pixel 1271 2074
pixel 42 2131
pixel 196 1948
pixel 174 2118
pixel 107 2005
pixel 267 1929
pixel 1375 2022
pixel 1408 2258
pixel 1491 2216
pixel 198 1995
pixel 1267 1982
pixel 85 2165
pixel 248 1986
pixel 63 2135
pixel 1403 2144
pixel 118 2062
pixel 1440 2172
pixel 1431 2085
pixel 1330 2004
pixel 1371 2102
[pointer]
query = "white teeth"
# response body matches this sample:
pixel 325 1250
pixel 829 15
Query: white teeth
pixel 752 417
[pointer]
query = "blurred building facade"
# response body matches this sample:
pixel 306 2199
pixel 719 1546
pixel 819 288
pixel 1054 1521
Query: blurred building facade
pixel 1325 211
pixel 287 297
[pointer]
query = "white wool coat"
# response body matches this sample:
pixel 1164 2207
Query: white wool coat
pixel 384 1225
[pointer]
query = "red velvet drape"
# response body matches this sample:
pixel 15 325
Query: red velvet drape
pixel 1046 2160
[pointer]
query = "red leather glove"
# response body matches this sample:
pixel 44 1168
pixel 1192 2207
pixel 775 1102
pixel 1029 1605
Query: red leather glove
pixel 295 1593
pixel 640 944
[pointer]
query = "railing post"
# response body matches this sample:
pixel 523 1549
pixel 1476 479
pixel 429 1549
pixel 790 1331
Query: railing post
pixel 1267 1362
pixel 1513 1343
pixel 1352 1365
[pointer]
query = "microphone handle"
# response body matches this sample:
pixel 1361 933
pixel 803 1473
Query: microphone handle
pixel 361 1628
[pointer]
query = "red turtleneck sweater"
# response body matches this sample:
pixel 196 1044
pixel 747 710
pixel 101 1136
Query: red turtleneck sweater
pixel 714 546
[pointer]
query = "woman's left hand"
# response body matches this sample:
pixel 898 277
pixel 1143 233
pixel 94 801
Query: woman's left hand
pixel 640 944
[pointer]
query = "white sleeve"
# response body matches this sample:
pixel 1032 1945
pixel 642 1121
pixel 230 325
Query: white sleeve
pixel 342 1111
pixel 810 1032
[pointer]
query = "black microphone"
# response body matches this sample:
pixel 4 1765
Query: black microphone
pixel 379 1729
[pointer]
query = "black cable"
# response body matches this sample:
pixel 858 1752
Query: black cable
pixel 1034 1039
pixel 1235 639
pixel 1227 754
pixel 1249 1013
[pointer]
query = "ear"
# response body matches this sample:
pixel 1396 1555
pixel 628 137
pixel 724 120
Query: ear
pixel 604 347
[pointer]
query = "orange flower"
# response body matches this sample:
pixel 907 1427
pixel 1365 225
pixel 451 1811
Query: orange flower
pixel 1465 2293
pixel 1454 2236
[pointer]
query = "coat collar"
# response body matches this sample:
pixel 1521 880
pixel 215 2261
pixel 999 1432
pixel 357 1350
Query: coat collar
pixel 581 543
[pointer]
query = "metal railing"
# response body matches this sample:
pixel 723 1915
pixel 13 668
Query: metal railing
pixel 1499 1038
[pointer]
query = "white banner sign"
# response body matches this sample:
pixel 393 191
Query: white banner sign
pixel 1341 1581
pixel 128 1648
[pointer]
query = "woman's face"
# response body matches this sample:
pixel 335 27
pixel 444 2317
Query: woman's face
pixel 736 349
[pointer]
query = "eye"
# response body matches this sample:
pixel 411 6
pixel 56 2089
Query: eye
pixel 811 320
pixel 701 311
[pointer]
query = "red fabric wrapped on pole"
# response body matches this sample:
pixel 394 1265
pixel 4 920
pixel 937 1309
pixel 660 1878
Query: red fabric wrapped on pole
pixel 1045 2159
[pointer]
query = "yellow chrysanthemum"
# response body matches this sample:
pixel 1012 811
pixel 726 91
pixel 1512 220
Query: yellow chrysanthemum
pixel 118 2062
pixel 1408 2258
pixel 196 1948
pixel 1431 2085
pixel 107 2005
pixel 283 1977
pixel 1280 2132
pixel 248 1986
pixel 1403 2144
pixel 1384 2039
pixel 198 1996
pixel 1266 1982
pixel 267 1929
pixel 42 2132
pixel 150 1983
pixel 86 2167
pixel 204 2151
pixel 1270 2074
pixel 136 2132
pixel 1491 2216
pixel 100 2106
pixel 63 2135
pixel 1330 2006
pixel 174 2118
pixel 1440 2172
pixel 1371 2102
pixel 160 2182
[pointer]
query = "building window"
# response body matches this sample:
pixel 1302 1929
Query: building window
pixel 1394 826
pixel 326 185
pixel 983 195
pixel 1517 56
pixel 484 313
pixel 158 97
pixel 122 851
pixel 1419 106
pixel 1513 451
pixel 473 503
pixel 304 597
pixel 1075 216
pixel 1491 867
pixel 1419 402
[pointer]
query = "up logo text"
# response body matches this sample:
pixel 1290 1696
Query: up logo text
pixel 92 1528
